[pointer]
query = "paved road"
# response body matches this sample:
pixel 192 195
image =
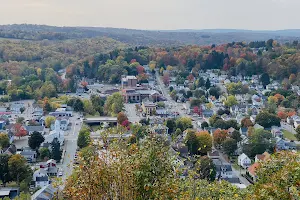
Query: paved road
pixel 171 104
pixel 70 146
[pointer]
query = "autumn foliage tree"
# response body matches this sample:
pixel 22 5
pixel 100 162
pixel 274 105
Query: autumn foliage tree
pixel 19 130
pixel 121 117
pixel 166 78
pixel 282 115
pixel 219 136
pixel 246 122
pixel 205 142
pixel 103 176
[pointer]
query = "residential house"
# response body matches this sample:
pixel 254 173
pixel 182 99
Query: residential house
pixel 257 127
pixel 214 154
pixel 37 113
pixel 181 149
pixel 244 161
pixel 276 132
pixel 240 108
pixel 291 145
pixel 244 131
pixel 297 123
pixel 207 113
pixel 240 144
pixel 162 112
pixel 254 110
pixel 56 133
pixel 3 109
pixel 159 128
pixel 280 144
pixel 50 167
pixel 262 157
pixel 10 192
pixel 2 124
pixel 292 119
pixel 80 89
pixel 233 180
pixel 223 170
pixel 257 100
pixel 31 129
pixel 40 178
pixel 10 134
pixel 251 172
pixel 29 154
pixel 64 123
pixel 45 193
pixel 230 131
pixel 13 129
pixel 149 108
pixel 11 150
pixel 252 118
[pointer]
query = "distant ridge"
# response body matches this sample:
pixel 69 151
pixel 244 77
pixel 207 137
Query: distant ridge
pixel 146 37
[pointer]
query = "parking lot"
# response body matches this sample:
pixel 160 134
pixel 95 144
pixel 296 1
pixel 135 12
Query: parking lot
pixel 132 114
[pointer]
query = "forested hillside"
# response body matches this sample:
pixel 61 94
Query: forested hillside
pixel 142 37
pixel 33 65
pixel 278 61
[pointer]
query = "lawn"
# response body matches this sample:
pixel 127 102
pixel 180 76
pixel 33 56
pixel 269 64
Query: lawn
pixel 288 135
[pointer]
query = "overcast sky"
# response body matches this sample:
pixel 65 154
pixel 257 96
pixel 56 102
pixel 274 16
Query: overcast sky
pixel 155 14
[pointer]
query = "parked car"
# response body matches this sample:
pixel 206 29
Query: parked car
pixel 60 173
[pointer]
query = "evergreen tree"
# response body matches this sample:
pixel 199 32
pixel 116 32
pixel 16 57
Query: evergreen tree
pixel 207 84
pixel 56 152
pixel 35 140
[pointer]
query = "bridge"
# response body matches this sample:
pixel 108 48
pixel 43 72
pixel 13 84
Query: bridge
pixel 99 120
pixel 111 136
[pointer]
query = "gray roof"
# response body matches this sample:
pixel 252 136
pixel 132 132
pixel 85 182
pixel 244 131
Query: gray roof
pixel 42 178
pixel 34 128
pixel 232 180
pixel 28 153
pixel 46 193
pixel 227 167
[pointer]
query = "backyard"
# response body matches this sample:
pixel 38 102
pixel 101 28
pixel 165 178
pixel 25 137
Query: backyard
pixel 288 135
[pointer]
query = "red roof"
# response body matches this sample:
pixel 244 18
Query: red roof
pixel 252 169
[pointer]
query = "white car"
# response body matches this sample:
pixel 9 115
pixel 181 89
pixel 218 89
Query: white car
pixel 60 173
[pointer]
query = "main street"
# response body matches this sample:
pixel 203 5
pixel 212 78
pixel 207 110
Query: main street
pixel 173 105
pixel 70 146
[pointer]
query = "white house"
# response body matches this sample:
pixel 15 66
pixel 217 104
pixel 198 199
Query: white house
pixel 244 161
pixel 40 178
pixel 223 170
pixel 64 123
pixel 49 167
pixel 56 133
pixel 256 100
pixel 297 123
